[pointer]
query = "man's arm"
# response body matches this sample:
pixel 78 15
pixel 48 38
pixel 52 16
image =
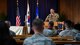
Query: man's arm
pixel 47 19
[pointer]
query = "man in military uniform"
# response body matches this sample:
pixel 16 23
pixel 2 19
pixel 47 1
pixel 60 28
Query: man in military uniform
pixel 52 16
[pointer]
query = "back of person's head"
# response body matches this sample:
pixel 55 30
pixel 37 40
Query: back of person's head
pixel 68 23
pixel 4 29
pixel 5 38
pixel 77 26
pixel 8 23
pixel 51 24
pixel 38 24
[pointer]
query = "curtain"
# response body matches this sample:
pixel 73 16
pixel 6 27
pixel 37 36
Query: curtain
pixel 44 7
pixel 22 10
pixel 11 11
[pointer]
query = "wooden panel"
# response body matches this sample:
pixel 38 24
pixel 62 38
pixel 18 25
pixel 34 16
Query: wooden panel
pixel 71 9
pixel 3 6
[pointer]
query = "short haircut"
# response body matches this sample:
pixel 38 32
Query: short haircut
pixel 8 23
pixel 51 9
pixel 4 29
pixel 77 26
pixel 69 23
pixel 37 23
pixel 51 23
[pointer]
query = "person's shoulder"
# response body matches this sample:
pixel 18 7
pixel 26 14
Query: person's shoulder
pixel 49 15
pixel 75 31
pixel 56 13
pixel 12 33
pixel 78 34
pixel 77 37
pixel 47 39
pixel 62 32
pixel 47 30
pixel 28 39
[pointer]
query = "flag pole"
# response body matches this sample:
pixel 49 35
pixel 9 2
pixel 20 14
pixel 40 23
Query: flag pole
pixel 27 18
pixel 26 14
pixel 37 3
pixel 37 7
pixel 18 23
pixel 17 6
pixel 17 2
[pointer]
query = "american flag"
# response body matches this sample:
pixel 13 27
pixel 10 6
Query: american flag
pixel 18 22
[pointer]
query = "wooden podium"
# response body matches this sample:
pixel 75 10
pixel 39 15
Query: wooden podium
pixel 25 30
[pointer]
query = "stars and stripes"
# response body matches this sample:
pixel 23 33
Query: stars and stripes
pixel 18 22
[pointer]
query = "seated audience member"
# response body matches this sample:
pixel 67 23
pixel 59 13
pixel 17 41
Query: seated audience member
pixel 51 25
pixel 57 30
pixel 68 29
pixel 38 38
pixel 50 31
pixel 77 27
pixel 76 30
pixel 9 24
pixel 5 37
